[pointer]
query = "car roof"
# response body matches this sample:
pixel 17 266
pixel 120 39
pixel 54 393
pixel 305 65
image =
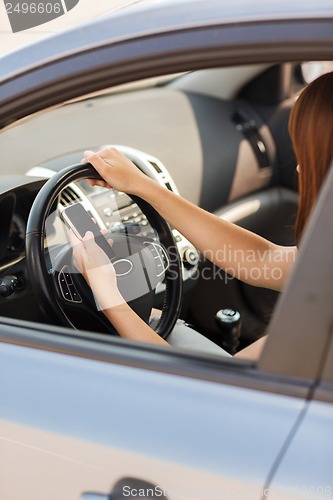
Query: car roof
pixel 255 8
pixel 154 16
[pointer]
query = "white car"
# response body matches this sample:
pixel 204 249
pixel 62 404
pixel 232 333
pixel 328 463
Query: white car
pixel 197 93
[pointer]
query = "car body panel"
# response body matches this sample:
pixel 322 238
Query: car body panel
pixel 108 46
pixel 54 405
pixel 290 483
pixel 156 18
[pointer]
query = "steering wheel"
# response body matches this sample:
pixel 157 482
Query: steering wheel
pixel 48 281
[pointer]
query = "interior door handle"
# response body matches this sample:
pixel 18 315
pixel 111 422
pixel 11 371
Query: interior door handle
pixel 129 487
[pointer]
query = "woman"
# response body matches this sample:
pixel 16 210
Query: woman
pixel 311 130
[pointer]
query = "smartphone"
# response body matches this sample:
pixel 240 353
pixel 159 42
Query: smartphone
pixel 79 221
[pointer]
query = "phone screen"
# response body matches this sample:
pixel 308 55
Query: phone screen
pixel 79 221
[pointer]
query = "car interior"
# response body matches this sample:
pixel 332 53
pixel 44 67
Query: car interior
pixel 218 137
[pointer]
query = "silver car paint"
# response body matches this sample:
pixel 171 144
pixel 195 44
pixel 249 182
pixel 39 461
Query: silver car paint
pixel 226 437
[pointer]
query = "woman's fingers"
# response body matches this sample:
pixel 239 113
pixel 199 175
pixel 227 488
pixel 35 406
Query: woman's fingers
pixel 97 182
pixel 116 170
pixel 109 240
pixel 89 242
pixel 79 257
pixel 100 165
pixel 110 155
pixel 95 254
pixel 97 161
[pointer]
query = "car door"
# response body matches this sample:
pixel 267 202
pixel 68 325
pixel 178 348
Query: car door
pixel 80 412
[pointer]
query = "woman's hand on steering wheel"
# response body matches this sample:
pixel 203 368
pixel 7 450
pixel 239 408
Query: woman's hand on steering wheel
pixel 116 170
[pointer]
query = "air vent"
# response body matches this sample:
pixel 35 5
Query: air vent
pixel 156 167
pixel 163 175
pixel 69 196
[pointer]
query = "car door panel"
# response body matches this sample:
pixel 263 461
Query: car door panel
pixel 312 449
pixel 70 425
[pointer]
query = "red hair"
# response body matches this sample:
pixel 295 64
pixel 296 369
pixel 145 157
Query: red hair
pixel 311 131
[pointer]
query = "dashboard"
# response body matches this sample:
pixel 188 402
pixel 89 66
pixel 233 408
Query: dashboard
pixel 17 194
